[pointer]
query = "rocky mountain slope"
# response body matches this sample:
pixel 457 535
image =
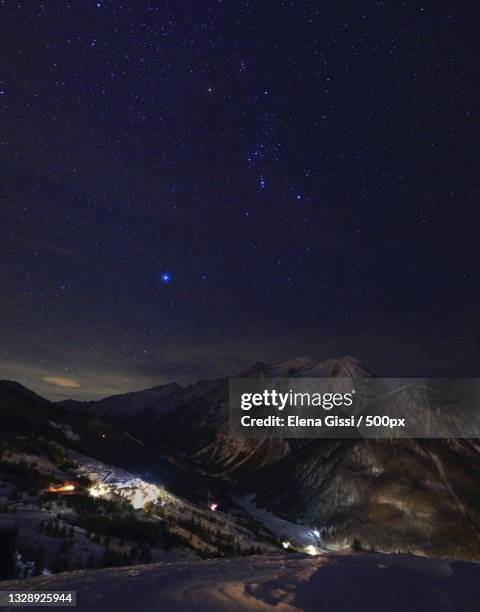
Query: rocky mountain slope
pixel 401 495
pixel 198 428
pixel 418 496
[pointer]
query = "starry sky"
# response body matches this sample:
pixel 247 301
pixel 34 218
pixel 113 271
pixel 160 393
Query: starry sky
pixel 188 187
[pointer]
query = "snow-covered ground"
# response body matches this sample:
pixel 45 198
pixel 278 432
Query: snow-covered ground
pixel 282 583
pixel 202 531
pixel 110 480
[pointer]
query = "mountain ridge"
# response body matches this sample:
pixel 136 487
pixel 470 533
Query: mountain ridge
pixel 389 495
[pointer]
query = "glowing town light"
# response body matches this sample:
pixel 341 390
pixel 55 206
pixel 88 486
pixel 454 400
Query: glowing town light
pixel 213 506
pixel 286 544
pixel 67 487
pixel 98 490
pixel 311 550
pixel 316 533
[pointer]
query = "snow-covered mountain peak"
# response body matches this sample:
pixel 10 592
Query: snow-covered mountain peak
pixel 347 367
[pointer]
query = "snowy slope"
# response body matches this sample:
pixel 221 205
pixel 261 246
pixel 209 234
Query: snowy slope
pixel 281 583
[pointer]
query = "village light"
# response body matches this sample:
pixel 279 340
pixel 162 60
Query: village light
pixel 66 487
pixel 98 490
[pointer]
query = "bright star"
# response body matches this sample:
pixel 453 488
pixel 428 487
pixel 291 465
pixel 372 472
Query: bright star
pixel 166 277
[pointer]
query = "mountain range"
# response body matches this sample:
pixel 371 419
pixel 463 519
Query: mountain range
pixel 416 496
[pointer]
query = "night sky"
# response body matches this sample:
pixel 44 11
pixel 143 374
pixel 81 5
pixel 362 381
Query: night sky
pixel 188 187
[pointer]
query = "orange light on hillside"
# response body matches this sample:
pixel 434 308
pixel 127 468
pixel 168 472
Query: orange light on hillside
pixel 67 487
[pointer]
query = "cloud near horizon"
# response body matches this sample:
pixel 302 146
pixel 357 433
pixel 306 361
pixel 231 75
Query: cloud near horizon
pixel 60 381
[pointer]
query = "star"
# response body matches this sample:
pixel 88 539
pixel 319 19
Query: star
pixel 166 277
